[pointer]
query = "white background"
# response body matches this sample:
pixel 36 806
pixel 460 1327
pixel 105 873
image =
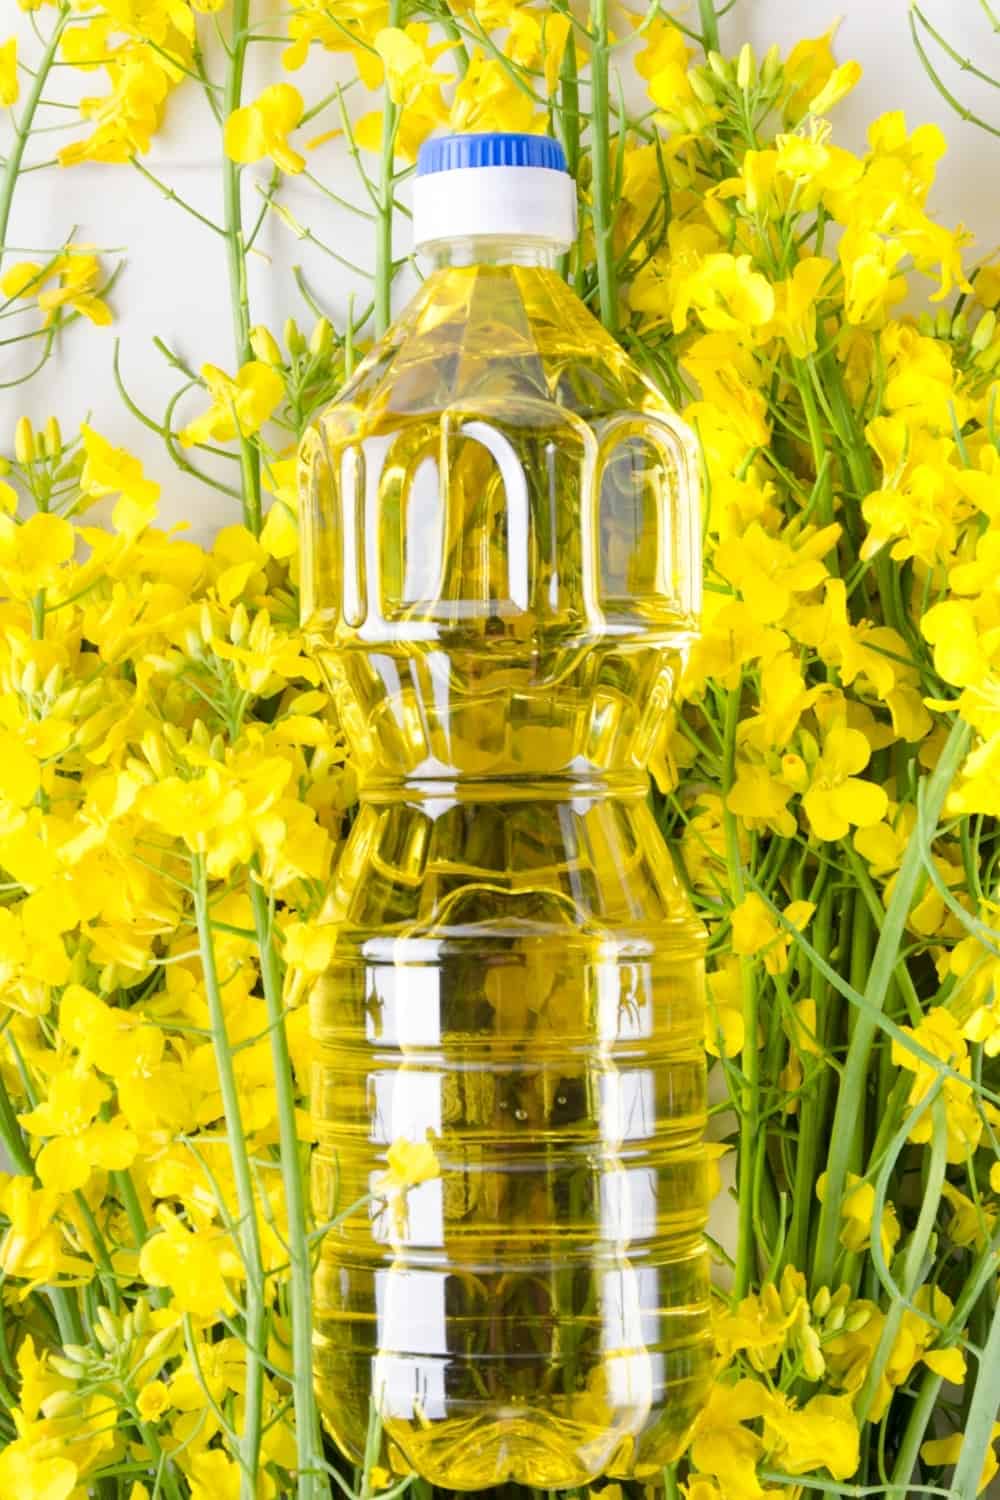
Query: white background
pixel 174 279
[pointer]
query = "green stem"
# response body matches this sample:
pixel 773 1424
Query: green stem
pixel 854 1079
pixel 248 1233
pixel 600 196
pixel 982 1414
pixel 386 198
pixel 749 1104
pixel 811 1113
pixel 22 127
pixel 307 1437
pixel 236 255
pixel 709 25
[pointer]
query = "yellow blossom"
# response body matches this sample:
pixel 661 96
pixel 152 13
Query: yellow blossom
pixel 261 129
pixel 409 1164
pixel 939 1034
pixel 948 1450
pixel 838 798
pixel 240 406
pixel 107 471
pixel 756 931
pixel 77 1141
pixel 195 1264
pixel 10 87
pixel 70 280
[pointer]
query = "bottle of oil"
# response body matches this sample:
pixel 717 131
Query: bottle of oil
pixel 500 578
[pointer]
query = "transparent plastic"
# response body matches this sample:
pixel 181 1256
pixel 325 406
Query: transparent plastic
pixel 500 579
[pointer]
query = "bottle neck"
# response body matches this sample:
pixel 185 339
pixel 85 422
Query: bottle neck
pixel 493 250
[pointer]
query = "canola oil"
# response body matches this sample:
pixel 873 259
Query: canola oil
pixel 500 580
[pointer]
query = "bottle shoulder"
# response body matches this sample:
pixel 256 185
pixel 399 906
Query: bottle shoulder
pixel 477 335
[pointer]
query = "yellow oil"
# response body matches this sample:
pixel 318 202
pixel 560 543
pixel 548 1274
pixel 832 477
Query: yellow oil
pixel 500 580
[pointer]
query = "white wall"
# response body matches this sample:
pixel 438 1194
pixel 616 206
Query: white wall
pixel 174 280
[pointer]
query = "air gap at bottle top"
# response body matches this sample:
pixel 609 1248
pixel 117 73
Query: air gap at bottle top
pixel 500 574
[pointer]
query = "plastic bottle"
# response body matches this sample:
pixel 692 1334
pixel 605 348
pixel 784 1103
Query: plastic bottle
pixel 501 577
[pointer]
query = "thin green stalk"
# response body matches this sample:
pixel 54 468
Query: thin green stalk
pixel 750 1091
pixel 811 1114
pixel 854 1079
pixel 982 1414
pixel 709 25
pixel 236 254
pixel 600 155
pixel 23 124
pixel 248 1232
pixel 310 1485
pixel 386 198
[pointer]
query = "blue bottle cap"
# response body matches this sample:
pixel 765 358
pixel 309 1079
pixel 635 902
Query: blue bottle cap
pixel 491 148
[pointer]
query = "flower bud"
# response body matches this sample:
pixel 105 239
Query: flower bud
pixel 835 1321
pixel 942 323
pixel 24 441
pixel 701 86
pixel 53 682
pixel 52 438
pixel 857 1319
pixel 746 68
pixel 265 345
pixel 722 69
pixel 29 679
pixel 294 342
pixel 985 329
pixel 321 339
pixel 821 1302
pixel 770 68
pixel 959 326
pixel 239 625
pixel 206 626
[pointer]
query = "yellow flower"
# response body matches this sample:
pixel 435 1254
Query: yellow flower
pixel 755 930
pixel 10 86
pixel 760 799
pixel 837 798
pixel 948 1450
pixel 939 1034
pixel 29 1470
pixel 488 99
pixel 769 571
pixel 795 304
pixel 823 1434
pixel 808 68
pixel 871 283
pixel 960 656
pixel 195 1264
pixel 408 61
pixel 261 129
pixel 108 471
pixel 78 1142
pixel 839 84
pixel 410 1163
pixel 726 294
pixel 724 1030
pixel 32 1249
pixel 857 1209
pixel 239 406
pixel 216 1477
pixel 78 274
pixel 153 1400
pixel 128 117
pixel 33 554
